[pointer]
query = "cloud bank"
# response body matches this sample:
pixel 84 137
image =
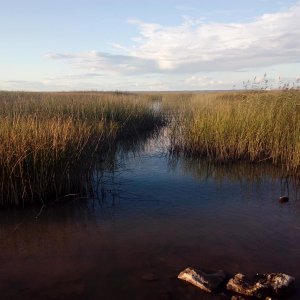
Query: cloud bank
pixel 195 46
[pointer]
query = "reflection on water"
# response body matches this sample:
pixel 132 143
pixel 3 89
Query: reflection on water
pixel 247 174
pixel 157 215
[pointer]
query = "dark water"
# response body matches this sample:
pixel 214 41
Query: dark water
pixel 159 216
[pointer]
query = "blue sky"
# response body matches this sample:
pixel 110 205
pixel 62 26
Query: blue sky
pixel 147 45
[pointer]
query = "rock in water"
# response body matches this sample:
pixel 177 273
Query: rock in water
pixel 283 199
pixel 281 284
pixel 237 298
pixel 262 286
pixel 241 285
pixel 206 282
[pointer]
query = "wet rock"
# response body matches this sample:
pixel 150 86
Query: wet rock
pixel 237 298
pixel 206 282
pixel 283 199
pixel 241 285
pixel 263 286
pixel 281 284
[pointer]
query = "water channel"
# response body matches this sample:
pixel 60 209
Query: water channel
pixel 160 214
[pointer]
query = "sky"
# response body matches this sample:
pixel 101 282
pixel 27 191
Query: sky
pixel 63 45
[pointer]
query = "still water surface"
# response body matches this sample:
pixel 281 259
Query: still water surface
pixel 159 216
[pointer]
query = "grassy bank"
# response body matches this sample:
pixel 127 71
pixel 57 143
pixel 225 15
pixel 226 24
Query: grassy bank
pixel 49 141
pixel 251 126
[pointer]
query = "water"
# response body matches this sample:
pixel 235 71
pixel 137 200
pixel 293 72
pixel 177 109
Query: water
pixel 159 216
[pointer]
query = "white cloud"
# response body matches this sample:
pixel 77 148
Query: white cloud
pixel 37 85
pixel 195 46
pixel 195 54
pixel 201 81
pixel 112 64
pixel 60 55
pixel 270 39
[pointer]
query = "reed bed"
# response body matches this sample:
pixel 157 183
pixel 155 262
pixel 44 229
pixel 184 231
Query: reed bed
pixel 50 141
pixel 241 126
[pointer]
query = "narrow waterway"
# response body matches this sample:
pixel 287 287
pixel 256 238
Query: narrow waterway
pixel 160 214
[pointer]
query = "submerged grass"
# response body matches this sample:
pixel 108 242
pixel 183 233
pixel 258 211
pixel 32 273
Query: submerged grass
pixel 49 140
pixel 251 126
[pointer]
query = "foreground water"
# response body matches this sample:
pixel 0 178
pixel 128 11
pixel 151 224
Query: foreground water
pixel 159 216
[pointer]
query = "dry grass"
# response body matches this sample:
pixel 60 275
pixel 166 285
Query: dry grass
pixel 49 140
pixel 252 126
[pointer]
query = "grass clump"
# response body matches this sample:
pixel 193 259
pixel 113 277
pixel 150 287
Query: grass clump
pixel 49 141
pixel 251 126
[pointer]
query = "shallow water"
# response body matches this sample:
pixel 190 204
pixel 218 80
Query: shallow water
pixel 159 216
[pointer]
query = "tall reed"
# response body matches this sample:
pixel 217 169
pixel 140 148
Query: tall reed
pixel 251 126
pixel 49 141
